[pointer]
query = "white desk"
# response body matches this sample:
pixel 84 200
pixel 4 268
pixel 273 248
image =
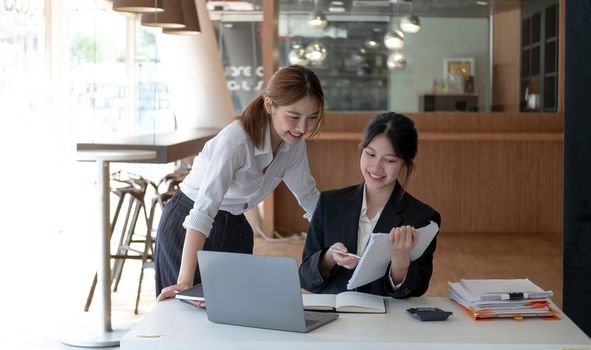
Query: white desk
pixel 104 335
pixel 176 325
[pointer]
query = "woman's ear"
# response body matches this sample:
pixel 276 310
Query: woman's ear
pixel 268 105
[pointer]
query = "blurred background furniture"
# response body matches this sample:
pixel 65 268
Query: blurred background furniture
pixel 449 102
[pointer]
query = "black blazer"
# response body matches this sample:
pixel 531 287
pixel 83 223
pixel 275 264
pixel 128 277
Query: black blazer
pixel 336 219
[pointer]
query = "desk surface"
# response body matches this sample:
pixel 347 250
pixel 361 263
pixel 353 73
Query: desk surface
pixel 169 147
pixel 176 325
pixel 117 155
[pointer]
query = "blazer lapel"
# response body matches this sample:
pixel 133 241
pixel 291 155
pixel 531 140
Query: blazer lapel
pixel 391 216
pixel 350 211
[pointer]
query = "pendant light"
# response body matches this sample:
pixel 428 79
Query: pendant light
pixel 394 39
pixel 138 6
pixel 297 55
pixel 172 17
pixel 373 42
pixel 318 19
pixel 396 61
pixel 410 23
pixel 191 19
pixel 316 52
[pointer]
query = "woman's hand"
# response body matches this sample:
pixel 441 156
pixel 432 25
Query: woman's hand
pixel 402 240
pixel 346 261
pixel 171 291
pixel 194 241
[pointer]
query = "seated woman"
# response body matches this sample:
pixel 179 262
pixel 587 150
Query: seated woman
pixel 345 218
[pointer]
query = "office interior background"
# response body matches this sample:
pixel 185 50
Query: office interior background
pixel 484 81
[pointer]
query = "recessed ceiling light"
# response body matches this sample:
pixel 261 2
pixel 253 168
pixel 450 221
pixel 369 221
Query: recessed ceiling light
pixel 482 3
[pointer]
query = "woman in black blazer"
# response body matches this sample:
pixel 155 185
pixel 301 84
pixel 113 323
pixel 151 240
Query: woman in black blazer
pixel 345 218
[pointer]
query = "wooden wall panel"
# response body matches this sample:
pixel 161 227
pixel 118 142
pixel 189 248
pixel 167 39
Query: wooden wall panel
pixel 454 122
pixel 483 173
pixel 506 60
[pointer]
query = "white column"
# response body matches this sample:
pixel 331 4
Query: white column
pixel 195 76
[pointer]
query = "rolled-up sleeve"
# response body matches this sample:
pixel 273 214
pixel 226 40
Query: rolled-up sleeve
pixel 222 160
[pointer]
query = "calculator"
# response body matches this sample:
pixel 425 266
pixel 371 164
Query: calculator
pixel 429 313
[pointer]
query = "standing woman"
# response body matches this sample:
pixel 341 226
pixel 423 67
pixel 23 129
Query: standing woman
pixel 235 171
pixel 345 218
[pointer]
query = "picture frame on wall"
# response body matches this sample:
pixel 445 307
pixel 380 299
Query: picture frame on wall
pixel 463 66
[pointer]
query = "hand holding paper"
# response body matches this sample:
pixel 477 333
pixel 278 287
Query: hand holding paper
pixel 402 240
pixel 376 257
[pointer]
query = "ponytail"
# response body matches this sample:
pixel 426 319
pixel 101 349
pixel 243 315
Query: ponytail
pixel 252 122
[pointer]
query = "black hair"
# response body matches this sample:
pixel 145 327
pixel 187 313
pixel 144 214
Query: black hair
pixel 402 134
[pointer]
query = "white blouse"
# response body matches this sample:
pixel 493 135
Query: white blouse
pixel 228 175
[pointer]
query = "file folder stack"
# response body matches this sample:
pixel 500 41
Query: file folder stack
pixel 492 298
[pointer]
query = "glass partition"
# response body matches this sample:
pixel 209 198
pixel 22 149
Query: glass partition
pixel 366 62
pixel 369 55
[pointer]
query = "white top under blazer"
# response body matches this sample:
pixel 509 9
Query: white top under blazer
pixel 228 175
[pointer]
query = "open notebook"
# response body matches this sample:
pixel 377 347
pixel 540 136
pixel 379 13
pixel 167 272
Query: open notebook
pixel 345 302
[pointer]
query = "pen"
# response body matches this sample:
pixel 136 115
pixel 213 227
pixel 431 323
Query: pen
pixel 343 253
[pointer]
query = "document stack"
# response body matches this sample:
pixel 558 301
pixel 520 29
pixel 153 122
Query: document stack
pixel 491 298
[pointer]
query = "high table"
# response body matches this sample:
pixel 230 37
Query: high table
pixel 169 146
pixel 173 324
pixel 104 335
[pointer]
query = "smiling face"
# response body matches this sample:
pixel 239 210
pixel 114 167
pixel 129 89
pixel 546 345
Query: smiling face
pixel 292 122
pixel 379 164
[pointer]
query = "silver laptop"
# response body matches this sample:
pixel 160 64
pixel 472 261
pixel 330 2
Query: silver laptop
pixel 256 291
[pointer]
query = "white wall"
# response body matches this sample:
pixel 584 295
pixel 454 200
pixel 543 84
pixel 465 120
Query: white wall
pixel 425 52
pixel 196 81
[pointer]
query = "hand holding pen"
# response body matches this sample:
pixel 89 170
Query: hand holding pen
pixel 342 257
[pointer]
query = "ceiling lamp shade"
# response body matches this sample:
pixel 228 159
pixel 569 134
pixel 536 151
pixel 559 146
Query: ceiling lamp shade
pixel 191 19
pixel 138 6
pixel 316 52
pixel 297 55
pixel 410 24
pixel 318 20
pixel 394 39
pixel 172 17
pixel 396 61
pixel 359 55
pixel 372 43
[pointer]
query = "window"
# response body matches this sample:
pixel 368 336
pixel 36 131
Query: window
pixel 539 56
pixel 114 78
pixel 23 73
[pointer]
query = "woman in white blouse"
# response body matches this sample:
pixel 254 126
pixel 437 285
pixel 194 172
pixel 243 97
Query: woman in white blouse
pixel 235 171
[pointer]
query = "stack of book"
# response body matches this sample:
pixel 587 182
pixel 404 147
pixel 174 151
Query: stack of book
pixel 491 298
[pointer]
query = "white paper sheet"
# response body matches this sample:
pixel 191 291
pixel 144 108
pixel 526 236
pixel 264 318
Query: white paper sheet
pixel 376 257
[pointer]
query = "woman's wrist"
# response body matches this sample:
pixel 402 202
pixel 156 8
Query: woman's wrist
pixel 327 263
pixel 399 269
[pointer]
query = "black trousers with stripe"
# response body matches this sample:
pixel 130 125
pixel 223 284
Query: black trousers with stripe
pixel 230 233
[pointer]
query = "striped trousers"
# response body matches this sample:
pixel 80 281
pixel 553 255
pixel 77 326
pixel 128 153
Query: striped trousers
pixel 230 233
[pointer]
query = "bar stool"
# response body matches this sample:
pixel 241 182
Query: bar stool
pixel 133 190
pixel 164 190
